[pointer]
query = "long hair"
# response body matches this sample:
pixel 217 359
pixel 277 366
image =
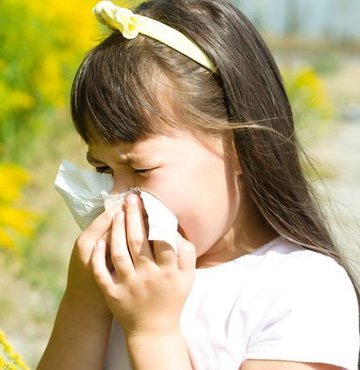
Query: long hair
pixel 122 83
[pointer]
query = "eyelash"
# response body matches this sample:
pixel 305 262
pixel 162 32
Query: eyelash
pixel 103 169
pixel 107 169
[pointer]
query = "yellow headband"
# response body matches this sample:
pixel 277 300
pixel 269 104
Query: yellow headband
pixel 130 25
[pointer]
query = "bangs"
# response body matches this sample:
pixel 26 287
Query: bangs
pixel 114 95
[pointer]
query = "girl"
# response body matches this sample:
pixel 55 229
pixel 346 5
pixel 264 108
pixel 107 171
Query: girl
pixel 184 101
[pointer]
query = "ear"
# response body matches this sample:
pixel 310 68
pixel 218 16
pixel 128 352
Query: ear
pixel 237 167
pixel 235 160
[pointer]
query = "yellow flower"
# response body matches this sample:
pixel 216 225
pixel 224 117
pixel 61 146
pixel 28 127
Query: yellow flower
pixel 15 221
pixel 19 219
pixel 117 18
pixel 9 360
pixel 307 92
pixel 12 179
pixel 6 241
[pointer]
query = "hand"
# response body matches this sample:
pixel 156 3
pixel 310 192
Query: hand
pixel 82 292
pixel 147 289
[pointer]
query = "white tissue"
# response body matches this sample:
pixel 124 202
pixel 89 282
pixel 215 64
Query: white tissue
pixel 86 193
pixel 81 191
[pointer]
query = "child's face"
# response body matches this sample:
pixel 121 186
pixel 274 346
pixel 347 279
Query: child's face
pixel 192 175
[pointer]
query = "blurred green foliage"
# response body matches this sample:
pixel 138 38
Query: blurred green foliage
pixel 325 63
pixel 41 44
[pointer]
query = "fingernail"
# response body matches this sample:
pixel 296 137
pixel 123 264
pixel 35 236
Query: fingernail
pixel 131 199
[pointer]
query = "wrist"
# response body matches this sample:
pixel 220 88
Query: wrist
pixel 153 342
pixel 73 307
pixel 155 328
pixel 158 336
pixel 170 348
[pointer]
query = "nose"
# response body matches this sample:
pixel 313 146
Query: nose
pixel 123 181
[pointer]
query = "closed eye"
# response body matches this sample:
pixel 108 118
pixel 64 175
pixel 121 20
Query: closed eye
pixel 144 171
pixel 103 169
pixel 140 171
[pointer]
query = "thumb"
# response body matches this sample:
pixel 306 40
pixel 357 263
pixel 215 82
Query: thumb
pixel 186 254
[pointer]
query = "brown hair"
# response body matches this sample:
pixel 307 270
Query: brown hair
pixel 118 88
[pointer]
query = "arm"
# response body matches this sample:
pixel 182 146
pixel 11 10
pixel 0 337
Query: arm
pixel 284 365
pixel 161 352
pixel 80 334
pixel 146 291
pixel 78 340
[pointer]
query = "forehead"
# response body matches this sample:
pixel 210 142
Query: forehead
pixel 174 143
pixel 123 151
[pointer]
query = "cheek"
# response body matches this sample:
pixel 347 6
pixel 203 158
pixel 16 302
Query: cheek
pixel 205 204
pixel 207 218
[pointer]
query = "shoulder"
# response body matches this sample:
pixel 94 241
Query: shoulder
pixel 302 267
pixel 305 280
pixel 302 280
pixel 306 308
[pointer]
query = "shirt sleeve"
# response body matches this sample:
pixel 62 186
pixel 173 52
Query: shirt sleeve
pixel 312 315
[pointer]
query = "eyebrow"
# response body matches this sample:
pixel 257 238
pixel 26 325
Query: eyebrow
pixel 92 159
pixel 127 159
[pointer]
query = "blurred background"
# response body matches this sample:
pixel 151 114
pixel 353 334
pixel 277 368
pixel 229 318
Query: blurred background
pixel 317 46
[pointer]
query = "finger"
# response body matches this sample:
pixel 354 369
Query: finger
pixel 100 271
pixel 101 225
pixel 165 255
pixel 109 264
pixel 186 254
pixel 120 254
pixel 135 230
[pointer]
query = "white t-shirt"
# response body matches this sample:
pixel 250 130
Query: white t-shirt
pixel 277 303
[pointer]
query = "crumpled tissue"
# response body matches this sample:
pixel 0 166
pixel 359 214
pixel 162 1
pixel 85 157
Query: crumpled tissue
pixel 86 193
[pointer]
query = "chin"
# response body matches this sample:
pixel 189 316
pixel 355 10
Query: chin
pixel 201 246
